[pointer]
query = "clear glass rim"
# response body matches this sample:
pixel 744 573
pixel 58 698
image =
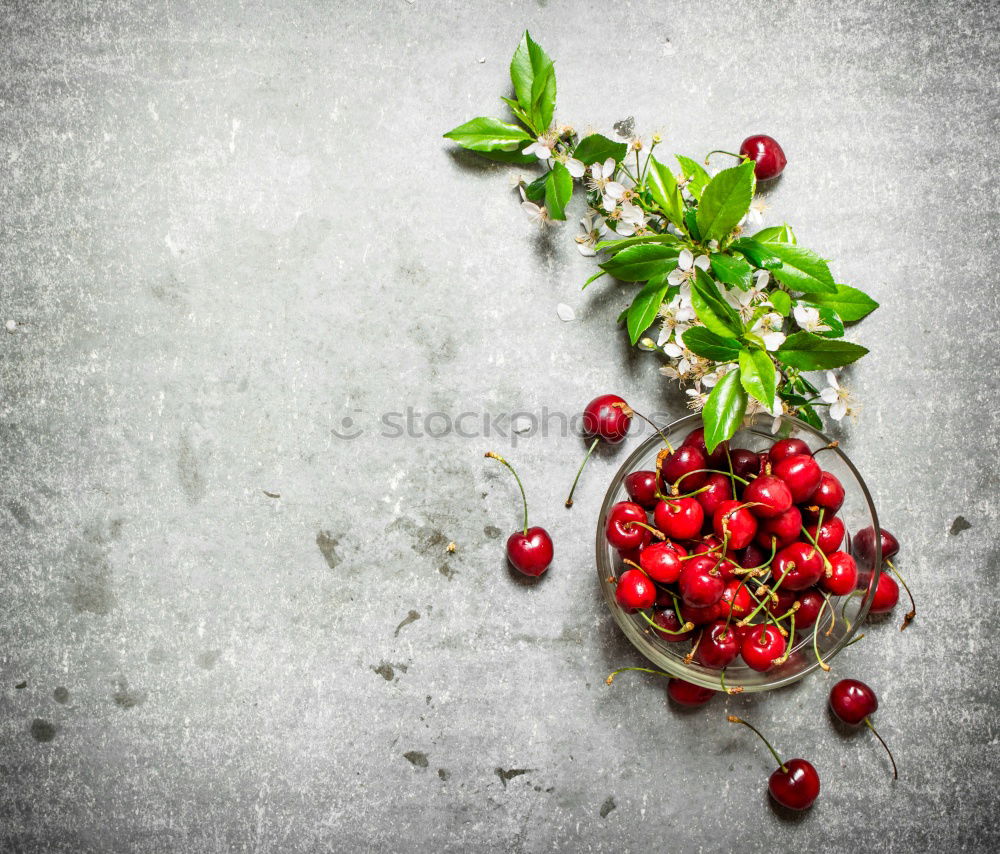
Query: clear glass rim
pixel 689 422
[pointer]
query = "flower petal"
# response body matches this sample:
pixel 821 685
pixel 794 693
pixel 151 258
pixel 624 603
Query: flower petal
pixel 702 261
pixel 575 167
pixel 614 189
pixel 685 260
pixel 838 410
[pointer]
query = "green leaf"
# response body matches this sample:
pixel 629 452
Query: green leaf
pixel 483 134
pixel 829 317
pixel 758 375
pixel 781 301
pixel 711 309
pixel 642 262
pixel 758 254
pixel 558 189
pixel 509 157
pixel 622 242
pixel 850 303
pixel 695 173
pixel 642 312
pixel 724 410
pixel 809 352
pixel 535 191
pixel 725 201
pixel 515 108
pixel 533 76
pixel 691 224
pixel 594 278
pixel 803 409
pixel 802 269
pixel 776 234
pixel 731 270
pixel 597 148
pixel 705 343
pixel 666 193
pixel 622 316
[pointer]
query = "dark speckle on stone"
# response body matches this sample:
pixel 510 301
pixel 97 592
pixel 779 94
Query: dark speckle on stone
pixel 960 524
pixel 42 730
pixel 21 685
pixel 447 571
pixel 189 471
pixel 508 774
pixel 128 698
pixel 388 671
pixel 444 773
pixel 607 807
pixel 626 127
pixel 416 757
pixel 90 589
pixel 20 514
pixel 61 695
pixel 208 658
pixel 492 531
pixel 411 617
pixel 328 546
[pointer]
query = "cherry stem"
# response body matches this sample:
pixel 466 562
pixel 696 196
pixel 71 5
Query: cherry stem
pixel 735 720
pixel 827 566
pixel 629 411
pixel 682 630
pixel 722 682
pixel 833 615
pixel 788 646
pixel 579 471
pixel 908 618
pixel 854 640
pixel 656 532
pixel 524 500
pixel 771 592
pixel 830 447
pixel 819 658
pixel 614 673
pixel 721 151
pixel 895 773
pixel 710 471
pixel 690 656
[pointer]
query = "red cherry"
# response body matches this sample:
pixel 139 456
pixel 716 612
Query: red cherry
pixel 620 530
pixel 769 160
pixel 800 564
pixel 734 522
pixel 679 518
pixel 667 618
pixel 635 592
pixel 785 528
pixel 810 603
pixel 770 496
pixel 864 547
pixel 736 600
pixel 662 561
pixel 641 488
pixel 605 417
pixel 787 448
pixel 687 693
pixel 717 488
pixel 753 556
pixel 830 534
pixel 711 543
pixel 854 703
pixel 700 616
pixel 683 468
pixel 530 552
pixel 886 595
pixel 802 475
pixel 699 582
pixel 727 566
pixel 762 646
pixel 745 463
pixel 793 784
pixel 719 646
pixel 786 598
pixel 844 577
pixel 829 495
pixel 716 459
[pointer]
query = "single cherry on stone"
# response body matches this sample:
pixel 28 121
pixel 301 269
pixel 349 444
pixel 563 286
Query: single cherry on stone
pixel 854 703
pixel 529 550
pixel 793 784
pixel 886 595
pixel 768 158
pixel 607 417
pixel 687 693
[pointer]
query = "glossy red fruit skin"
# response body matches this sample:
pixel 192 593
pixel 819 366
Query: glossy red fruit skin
pixel 667 618
pixel 530 553
pixel 737 521
pixel 687 693
pixel 701 616
pixel 770 496
pixel 787 448
pixel 716 459
pixel 886 595
pixel 635 592
pixel 829 495
pixel 683 468
pixel 844 574
pixel 699 583
pixel 679 518
pixel 830 534
pixel 736 599
pixel 753 556
pixel 863 545
pixel 745 463
pixel 726 566
pixel 807 569
pixel 769 160
pixel 786 598
pixel 796 788
pixel 761 646
pixel 810 602
pixel 601 417
pixel 801 473
pixel 620 532
pixel 786 528
pixel 641 488
pixel 662 561
pixel 718 488
pixel 719 646
pixel 852 701
pixel 707 544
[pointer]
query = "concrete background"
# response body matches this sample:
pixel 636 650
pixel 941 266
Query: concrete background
pixel 225 230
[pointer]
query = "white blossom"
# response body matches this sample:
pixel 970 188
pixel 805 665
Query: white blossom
pixel 686 264
pixel 840 399
pixel 696 398
pixel 539 215
pixel 768 329
pixel 541 147
pixel 602 180
pixel 807 317
pixel 677 317
pixel 630 219
pixel 594 229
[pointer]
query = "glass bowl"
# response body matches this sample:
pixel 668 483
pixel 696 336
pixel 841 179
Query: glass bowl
pixel 857 513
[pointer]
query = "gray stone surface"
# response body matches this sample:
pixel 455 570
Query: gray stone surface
pixel 226 229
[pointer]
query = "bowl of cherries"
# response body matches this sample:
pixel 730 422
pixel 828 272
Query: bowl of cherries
pixel 734 570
